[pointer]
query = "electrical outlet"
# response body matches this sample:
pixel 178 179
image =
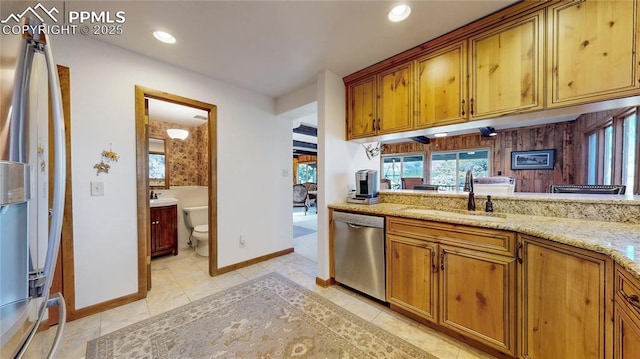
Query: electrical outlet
pixel 241 243
pixel 97 188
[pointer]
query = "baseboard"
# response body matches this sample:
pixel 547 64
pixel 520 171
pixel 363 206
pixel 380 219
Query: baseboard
pixel 324 283
pixel 101 307
pixel 253 261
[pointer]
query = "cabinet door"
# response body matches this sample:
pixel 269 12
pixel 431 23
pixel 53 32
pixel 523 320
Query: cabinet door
pixel 164 231
pixel 411 278
pixel 626 333
pixel 563 301
pixel 592 51
pixel 395 105
pixel 477 295
pixel 506 68
pixel 441 87
pixel 361 115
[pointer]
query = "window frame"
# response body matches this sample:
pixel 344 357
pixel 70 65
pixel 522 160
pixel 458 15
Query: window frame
pixel 616 123
pixel 307 163
pixel 403 155
pixel 489 151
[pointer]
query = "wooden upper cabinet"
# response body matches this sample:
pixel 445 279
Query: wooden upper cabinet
pixel 592 51
pixel 441 86
pixel 381 103
pixel 361 101
pixel 395 104
pixel 506 68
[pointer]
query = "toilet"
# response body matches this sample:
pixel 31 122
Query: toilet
pixel 196 219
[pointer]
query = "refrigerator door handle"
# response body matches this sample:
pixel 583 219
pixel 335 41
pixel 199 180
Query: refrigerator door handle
pixel 57 300
pixel 59 176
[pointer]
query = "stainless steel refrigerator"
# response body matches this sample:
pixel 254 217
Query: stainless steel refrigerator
pixel 29 229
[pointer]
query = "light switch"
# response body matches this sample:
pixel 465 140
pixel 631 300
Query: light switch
pixel 97 188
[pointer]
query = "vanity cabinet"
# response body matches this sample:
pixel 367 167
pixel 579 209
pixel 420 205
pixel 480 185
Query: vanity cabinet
pixel 626 315
pixel 505 68
pixel 565 304
pixel 592 51
pixel 458 277
pixel 164 230
pixel 381 103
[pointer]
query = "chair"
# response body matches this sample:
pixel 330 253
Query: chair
pixel 301 197
pixel 385 183
pixel 587 188
pixel 312 189
pixel 410 182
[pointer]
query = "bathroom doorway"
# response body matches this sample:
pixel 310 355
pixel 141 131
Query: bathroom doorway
pixel 144 132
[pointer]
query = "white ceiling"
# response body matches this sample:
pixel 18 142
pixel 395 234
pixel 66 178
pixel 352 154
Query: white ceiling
pixel 275 47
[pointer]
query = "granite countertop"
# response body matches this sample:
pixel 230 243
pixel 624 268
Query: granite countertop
pixel 620 241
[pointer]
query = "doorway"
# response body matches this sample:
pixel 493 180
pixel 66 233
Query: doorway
pixel 142 97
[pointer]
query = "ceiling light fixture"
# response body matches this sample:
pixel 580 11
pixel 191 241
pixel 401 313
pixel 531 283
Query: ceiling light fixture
pixel 165 37
pixel 177 133
pixel 440 134
pixel 399 13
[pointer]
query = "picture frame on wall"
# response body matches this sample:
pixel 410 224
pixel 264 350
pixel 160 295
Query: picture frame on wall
pixel 533 160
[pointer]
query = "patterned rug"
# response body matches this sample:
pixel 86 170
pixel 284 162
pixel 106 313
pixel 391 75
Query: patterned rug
pixel 301 231
pixel 268 317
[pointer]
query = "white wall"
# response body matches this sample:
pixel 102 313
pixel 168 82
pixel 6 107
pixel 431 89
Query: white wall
pixel 254 148
pixel 338 160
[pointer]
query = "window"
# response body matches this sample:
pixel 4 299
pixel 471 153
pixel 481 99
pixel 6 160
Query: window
pixel 394 167
pixel 612 150
pixel 629 151
pixel 307 172
pixel 448 169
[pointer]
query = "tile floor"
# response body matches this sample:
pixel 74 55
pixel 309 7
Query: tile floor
pixel 181 279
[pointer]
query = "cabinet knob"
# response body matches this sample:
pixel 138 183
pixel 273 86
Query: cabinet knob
pixel 462 108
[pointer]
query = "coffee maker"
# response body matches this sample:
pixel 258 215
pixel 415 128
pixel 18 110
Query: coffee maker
pixel 366 184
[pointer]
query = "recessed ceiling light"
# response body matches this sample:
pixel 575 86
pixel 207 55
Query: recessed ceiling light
pixel 165 37
pixel 441 134
pixel 399 13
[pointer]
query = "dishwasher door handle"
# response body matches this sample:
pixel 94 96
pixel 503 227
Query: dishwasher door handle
pixel 351 225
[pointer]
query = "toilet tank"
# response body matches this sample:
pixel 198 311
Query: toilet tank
pixel 195 216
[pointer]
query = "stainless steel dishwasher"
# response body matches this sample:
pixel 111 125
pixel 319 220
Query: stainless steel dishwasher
pixel 358 252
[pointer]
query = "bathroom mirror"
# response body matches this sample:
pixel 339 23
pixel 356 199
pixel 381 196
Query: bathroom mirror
pixel 158 164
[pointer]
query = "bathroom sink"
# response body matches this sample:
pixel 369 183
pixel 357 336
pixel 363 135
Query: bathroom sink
pixel 160 202
pixel 453 213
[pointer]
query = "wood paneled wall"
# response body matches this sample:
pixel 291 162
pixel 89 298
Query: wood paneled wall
pixel 559 136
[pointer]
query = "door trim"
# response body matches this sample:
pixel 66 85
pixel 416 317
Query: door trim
pixel 142 183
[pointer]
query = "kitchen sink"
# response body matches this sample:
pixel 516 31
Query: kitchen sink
pixel 455 213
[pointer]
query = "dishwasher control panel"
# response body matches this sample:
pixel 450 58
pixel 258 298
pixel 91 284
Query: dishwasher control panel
pixel 359 219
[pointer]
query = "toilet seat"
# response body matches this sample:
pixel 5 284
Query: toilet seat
pixel 201 232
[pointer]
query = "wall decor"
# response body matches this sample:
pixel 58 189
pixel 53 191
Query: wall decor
pixel 533 160
pixel 372 149
pixel 108 156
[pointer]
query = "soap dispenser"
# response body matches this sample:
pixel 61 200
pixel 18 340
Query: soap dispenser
pixel 489 205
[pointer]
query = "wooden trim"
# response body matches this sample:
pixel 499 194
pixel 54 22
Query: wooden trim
pixel 519 9
pixel 110 304
pixel 142 183
pixel 325 283
pixel 254 261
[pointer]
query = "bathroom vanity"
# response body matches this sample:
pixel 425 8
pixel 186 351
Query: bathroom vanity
pixel 164 230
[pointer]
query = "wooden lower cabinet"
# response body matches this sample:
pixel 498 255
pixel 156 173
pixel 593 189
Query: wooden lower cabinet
pixel 477 296
pixel 627 316
pixel 164 230
pixel 412 275
pixel 468 291
pixel 565 304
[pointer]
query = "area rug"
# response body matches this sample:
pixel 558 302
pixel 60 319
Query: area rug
pixel 301 231
pixel 268 317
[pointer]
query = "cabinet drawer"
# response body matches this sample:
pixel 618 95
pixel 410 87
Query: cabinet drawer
pixel 487 240
pixel 628 289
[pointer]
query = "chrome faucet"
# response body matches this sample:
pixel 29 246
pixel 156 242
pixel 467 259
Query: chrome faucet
pixel 468 187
